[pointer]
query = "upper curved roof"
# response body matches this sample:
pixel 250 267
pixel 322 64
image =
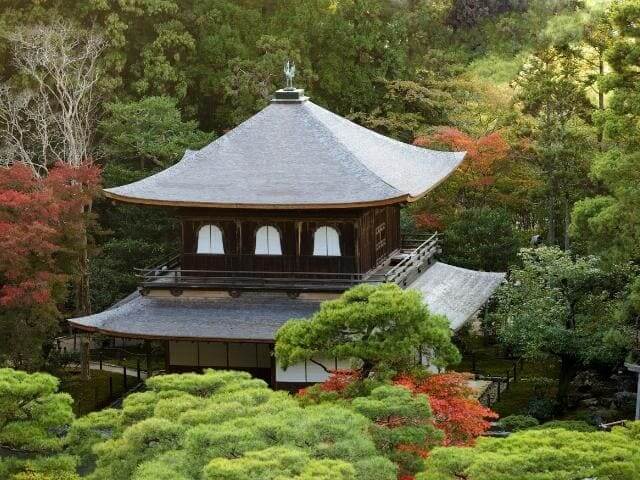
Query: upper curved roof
pixel 295 155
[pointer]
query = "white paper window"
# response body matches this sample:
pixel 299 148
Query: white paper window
pixel 210 240
pixel 268 241
pixel 326 242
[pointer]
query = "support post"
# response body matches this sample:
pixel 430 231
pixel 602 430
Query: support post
pixel 85 371
pixel 124 378
pixel 638 399
pixel 147 357
pixel 138 369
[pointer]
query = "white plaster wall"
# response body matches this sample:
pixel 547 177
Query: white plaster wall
pixel 308 372
pixel 315 373
pixel 295 373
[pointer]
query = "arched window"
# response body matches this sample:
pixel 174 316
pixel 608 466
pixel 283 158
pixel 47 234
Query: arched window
pixel 210 240
pixel 326 242
pixel 268 241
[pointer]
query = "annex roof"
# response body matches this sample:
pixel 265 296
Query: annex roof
pixel 295 154
pixel 455 292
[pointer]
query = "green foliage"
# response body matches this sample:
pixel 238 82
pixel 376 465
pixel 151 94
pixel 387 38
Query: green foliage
pixel 33 419
pixel 377 325
pixel 607 224
pixel 150 130
pixel 468 13
pixel 90 429
pixel 620 119
pixel 51 467
pixel 401 419
pixel 32 413
pixel 551 90
pixel 481 239
pixel 134 236
pixel 408 106
pixel 574 425
pixel 513 423
pixel 135 135
pixel 225 425
pixel 540 455
pixel 278 463
pixel 562 307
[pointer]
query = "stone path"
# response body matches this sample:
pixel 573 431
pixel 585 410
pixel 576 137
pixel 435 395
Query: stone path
pixel 107 367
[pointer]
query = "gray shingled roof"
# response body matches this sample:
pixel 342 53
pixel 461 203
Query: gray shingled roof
pixel 455 292
pixel 295 155
pixel 252 317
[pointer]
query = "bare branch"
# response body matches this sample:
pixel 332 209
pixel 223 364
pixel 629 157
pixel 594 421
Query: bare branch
pixel 54 121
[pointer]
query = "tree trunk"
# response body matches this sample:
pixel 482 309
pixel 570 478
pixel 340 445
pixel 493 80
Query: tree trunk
pixel 568 370
pixel 600 97
pixel 567 222
pixel 551 212
pixel 85 371
pixel 83 299
pixel 367 368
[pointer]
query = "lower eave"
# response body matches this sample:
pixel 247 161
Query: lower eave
pixel 454 292
pixel 252 317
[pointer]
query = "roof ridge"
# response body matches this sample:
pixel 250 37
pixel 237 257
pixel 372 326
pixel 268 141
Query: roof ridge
pixel 346 148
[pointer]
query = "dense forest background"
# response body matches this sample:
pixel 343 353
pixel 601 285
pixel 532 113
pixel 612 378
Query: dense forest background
pixel 541 93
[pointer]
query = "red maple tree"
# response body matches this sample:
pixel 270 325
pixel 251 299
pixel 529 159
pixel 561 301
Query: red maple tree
pixel 42 220
pixel 456 411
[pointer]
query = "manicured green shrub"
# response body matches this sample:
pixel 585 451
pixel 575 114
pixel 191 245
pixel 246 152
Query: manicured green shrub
pixel 575 425
pixel 226 425
pixel 542 454
pixel 513 423
pixel 32 412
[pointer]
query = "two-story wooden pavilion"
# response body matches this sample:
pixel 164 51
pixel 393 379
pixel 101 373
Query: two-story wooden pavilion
pixel 290 208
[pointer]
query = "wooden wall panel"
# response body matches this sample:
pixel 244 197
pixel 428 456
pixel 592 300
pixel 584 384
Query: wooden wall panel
pixel 356 228
pixel 296 238
pixel 378 235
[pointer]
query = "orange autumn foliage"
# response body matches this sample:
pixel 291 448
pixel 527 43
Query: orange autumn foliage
pixel 456 412
pixel 474 184
pixel 460 416
pixel 484 155
pixel 337 382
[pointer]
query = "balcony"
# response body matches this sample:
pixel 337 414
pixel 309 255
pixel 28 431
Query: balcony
pixel 293 274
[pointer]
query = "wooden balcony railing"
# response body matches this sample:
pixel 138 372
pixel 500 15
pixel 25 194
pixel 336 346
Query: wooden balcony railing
pixel 285 273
